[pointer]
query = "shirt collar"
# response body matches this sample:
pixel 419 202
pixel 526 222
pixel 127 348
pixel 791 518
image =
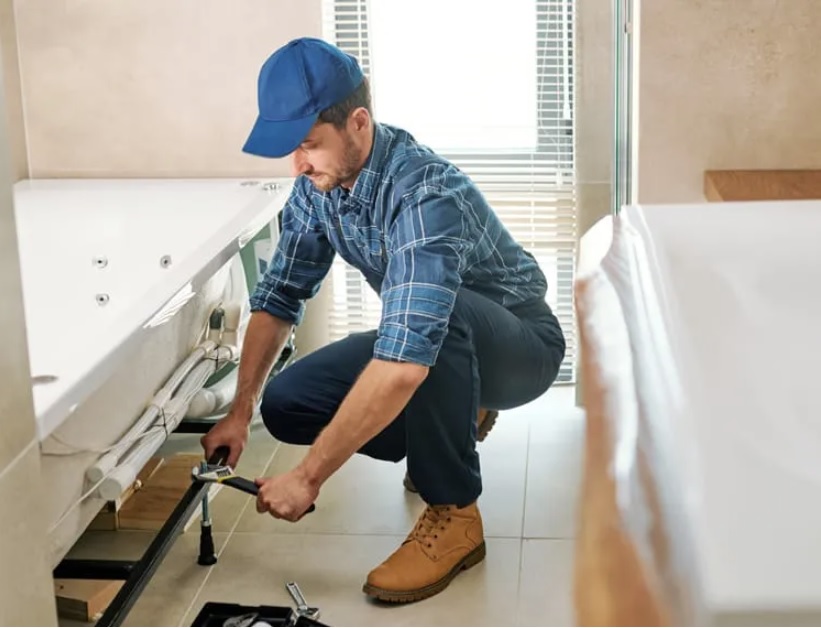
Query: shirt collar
pixel 365 187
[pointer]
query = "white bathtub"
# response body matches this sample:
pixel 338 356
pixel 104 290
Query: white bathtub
pixel 119 277
pixel 701 355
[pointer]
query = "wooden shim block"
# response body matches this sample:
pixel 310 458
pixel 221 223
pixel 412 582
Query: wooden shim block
pixel 105 520
pixel 84 600
pixel 174 473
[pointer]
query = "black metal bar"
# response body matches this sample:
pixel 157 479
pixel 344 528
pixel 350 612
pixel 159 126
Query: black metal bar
pixel 94 569
pixel 137 574
pixel 195 426
pixel 121 605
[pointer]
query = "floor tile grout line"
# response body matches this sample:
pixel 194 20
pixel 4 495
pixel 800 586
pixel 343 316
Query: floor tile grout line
pixel 522 529
pixel 224 545
pixel 519 579
pixel 527 474
pixel 396 534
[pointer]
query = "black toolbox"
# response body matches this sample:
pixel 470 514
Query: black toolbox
pixel 218 614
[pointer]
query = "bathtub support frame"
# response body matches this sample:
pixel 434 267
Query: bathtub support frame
pixel 94 569
pixel 138 573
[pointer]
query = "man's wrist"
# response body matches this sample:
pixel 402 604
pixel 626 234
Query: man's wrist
pixel 308 471
pixel 242 411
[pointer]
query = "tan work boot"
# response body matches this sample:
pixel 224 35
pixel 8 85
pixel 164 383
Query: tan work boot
pixel 444 541
pixel 487 419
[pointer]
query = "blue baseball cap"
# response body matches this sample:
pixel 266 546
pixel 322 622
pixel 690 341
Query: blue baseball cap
pixel 296 83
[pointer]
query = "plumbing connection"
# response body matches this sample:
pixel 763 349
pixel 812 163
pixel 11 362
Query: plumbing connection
pixel 183 395
pixel 117 469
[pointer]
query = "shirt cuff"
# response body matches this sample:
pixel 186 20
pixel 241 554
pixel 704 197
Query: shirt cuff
pixel 274 309
pixel 397 343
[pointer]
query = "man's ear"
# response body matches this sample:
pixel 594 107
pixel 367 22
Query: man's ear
pixel 360 119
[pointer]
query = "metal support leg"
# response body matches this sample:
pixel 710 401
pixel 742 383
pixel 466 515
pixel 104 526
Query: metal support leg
pixel 207 555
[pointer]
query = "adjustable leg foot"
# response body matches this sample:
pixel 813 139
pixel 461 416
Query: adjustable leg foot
pixel 207 554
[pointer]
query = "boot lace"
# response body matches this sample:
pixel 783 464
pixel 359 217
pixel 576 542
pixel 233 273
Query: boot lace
pixel 433 521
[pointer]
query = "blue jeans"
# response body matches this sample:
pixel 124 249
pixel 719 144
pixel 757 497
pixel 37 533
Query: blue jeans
pixel 492 358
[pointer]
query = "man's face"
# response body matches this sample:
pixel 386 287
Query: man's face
pixel 328 156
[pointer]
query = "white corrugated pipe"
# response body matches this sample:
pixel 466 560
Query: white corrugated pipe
pixel 214 399
pixel 108 461
pixel 168 418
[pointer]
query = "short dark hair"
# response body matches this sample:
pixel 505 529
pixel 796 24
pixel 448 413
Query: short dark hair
pixel 338 114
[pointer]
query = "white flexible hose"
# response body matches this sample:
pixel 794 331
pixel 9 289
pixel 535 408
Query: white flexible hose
pixel 216 398
pixel 174 410
pixel 100 469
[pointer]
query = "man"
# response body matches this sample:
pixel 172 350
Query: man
pixel 465 329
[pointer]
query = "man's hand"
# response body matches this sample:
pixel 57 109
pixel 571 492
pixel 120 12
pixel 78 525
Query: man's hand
pixel 264 339
pixel 286 496
pixel 230 432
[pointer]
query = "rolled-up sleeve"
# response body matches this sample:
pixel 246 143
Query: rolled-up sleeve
pixel 301 261
pixel 430 245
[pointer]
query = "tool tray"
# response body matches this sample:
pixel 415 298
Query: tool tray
pixel 217 613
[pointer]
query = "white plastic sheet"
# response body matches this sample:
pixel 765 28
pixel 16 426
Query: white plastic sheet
pixel 700 361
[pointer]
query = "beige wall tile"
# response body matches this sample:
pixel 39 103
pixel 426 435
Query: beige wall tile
pixel 16 406
pixel 14 96
pixel 27 593
pixel 729 84
pixel 595 50
pixel 594 91
pixel 314 332
pixel 149 87
pixel 594 202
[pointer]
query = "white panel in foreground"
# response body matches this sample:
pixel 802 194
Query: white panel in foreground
pixel 730 409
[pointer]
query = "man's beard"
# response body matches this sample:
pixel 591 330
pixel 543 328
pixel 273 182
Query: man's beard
pixel 351 157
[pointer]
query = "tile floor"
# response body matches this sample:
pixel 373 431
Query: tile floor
pixel 531 468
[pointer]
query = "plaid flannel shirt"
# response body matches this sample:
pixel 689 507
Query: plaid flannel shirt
pixel 417 228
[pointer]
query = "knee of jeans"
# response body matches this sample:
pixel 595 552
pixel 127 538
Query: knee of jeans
pixel 274 410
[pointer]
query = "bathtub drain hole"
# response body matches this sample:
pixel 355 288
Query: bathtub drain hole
pixel 43 379
pixel 165 261
pixel 102 298
pixel 101 261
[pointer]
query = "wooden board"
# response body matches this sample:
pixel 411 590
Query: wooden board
pixel 108 518
pixel 153 503
pixel 148 504
pixel 84 600
pixel 762 185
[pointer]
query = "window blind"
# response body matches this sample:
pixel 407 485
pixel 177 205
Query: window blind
pixel 519 149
